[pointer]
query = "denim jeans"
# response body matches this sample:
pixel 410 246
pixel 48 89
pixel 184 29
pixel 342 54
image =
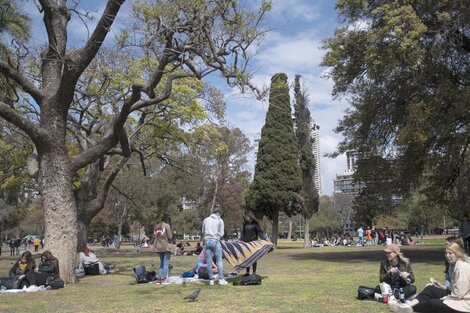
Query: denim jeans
pixel 213 247
pixel 163 271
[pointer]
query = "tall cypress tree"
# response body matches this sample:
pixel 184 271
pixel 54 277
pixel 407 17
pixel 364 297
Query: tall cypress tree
pixel 277 182
pixel 306 157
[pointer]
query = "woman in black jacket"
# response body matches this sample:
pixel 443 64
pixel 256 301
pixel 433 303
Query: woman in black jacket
pixel 18 273
pixel 251 231
pixel 47 266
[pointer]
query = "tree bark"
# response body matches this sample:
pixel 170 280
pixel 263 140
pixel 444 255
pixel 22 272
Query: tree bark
pixel 275 228
pixel 306 232
pixel 289 232
pixel 60 211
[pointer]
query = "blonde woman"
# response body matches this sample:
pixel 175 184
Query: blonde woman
pixel 433 300
pixel 396 271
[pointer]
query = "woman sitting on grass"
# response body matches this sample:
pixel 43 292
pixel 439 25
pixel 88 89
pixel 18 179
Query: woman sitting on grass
pixel 435 298
pixel 396 271
pixel 48 265
pixel 17 276
pixel 88 257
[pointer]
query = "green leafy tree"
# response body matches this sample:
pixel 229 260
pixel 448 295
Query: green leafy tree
pixel 404 67
pixel 277 182
pixel 303 126
pixel 185 39
pixel 14 24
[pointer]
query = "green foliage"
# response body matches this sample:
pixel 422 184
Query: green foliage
pixel 304 138
pixel 277 181
pixel 404 66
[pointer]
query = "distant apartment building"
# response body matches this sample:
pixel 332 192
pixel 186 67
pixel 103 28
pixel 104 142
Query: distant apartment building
pixel 345 191
pixel 316 152
pixel 187 204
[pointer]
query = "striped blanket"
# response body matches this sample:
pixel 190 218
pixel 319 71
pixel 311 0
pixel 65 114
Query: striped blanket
pixel 243 254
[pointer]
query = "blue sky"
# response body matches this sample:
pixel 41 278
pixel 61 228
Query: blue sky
pixel 292 46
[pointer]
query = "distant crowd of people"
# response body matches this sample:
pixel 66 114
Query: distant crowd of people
pixel 16 244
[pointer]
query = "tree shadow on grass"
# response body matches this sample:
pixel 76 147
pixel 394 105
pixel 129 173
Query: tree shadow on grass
pixel 429 255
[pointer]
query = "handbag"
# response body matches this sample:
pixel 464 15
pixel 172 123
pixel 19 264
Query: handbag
pixel 365 293
pixel 92 268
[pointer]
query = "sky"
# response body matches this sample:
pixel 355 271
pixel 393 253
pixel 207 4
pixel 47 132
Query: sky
pixel 297 29
pixel 293 46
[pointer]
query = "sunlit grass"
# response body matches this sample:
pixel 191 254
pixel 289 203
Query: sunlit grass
pixel 294 280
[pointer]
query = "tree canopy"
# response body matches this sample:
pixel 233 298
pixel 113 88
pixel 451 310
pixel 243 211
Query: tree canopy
pixel 277 181
pixel 404 66
pixel 174 40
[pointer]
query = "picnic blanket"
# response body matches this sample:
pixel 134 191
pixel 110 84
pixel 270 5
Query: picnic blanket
pixel 243 254
pixel 178 280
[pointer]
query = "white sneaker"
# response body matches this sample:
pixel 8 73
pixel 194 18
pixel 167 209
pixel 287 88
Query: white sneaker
pixel 223 282
pixel 32 288
pixel 400 307
pixel 211 282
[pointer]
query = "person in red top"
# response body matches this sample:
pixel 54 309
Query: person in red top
pixel 369 235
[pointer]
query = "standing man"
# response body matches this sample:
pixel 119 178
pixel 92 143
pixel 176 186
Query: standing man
pixel 36 243
pixel 251 231
pixel 360 234
pixel 213 232
pixel 464 232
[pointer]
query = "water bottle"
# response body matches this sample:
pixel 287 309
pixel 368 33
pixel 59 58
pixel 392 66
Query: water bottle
pixel 406 279
pixel 402 295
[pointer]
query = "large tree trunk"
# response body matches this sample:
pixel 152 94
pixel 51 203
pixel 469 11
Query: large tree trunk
pixel 289 231
pixel 82 234
pixel 306 232
pixel 275 228
pixel 60 211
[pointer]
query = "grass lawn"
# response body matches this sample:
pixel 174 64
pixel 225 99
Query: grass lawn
pixel 294 280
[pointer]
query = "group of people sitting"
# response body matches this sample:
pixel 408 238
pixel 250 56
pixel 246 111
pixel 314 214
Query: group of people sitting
pixel 183 249
pixel 452 296
pixel 25 275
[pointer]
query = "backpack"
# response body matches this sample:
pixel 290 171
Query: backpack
pixel 159 231
pixel 54 281
pixel 253 279
pixel 92 268
pixel 140 274
pixel 365 293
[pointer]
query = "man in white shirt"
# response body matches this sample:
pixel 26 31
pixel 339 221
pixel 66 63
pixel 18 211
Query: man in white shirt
pixel 213 232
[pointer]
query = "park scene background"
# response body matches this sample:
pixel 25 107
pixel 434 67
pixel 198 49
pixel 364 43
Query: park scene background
pixel 295 279
pixel 113 115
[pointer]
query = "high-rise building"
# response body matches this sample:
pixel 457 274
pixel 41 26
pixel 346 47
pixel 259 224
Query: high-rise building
pixel 346 190
pixel 316 153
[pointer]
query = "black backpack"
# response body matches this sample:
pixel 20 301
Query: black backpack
pixel 54 282
pixel 92 268
pixel 140 274
pixel 365 293
pixel 253 279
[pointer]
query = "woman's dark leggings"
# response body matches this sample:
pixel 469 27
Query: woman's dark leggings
pixel 429 301
pixel 409 290
pixel 37 278
pixel 254 266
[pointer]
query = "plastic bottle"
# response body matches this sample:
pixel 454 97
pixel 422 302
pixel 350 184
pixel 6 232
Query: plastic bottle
pixel 402 295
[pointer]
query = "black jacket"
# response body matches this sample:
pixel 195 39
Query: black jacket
pixel 48 267
pixel 251 232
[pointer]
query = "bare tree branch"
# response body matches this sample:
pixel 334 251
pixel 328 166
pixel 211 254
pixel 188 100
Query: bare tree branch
pixel 22 123
pixel 27 86
pixel 88 53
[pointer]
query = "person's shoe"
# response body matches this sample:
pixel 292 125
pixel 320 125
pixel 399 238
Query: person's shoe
pixel 246 275
pixel 393 300
pixel 222 282
pixel 211 282
pixel 32 288
pixel 400 307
